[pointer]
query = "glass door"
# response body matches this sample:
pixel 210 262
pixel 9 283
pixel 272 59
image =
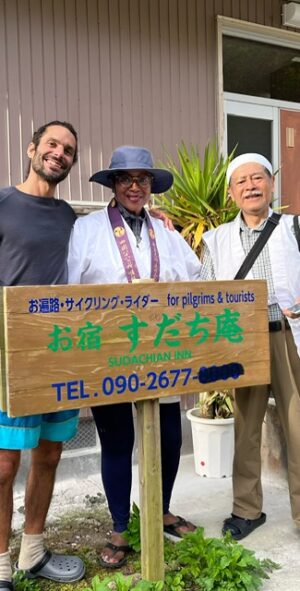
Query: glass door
pixel 252 126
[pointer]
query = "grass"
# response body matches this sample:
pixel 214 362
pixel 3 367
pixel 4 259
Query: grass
pixel 196 563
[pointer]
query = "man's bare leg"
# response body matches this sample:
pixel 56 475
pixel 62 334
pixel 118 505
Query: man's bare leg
pixel 40 483
pixel 39 488
pixel 9 464
pixel 38 495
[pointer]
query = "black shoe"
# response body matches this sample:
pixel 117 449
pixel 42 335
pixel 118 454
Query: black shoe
pixel 240 528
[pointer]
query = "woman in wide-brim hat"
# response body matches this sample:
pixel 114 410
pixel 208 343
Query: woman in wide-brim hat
pixel 128 158
pixel 121 244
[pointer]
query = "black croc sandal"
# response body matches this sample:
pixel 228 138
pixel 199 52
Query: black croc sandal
pixel 56 567
pixel 240 528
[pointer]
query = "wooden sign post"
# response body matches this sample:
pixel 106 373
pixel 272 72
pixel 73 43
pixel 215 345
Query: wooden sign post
pixel 70 346
pixel 151 509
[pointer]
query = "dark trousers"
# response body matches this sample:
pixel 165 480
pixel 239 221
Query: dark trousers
pixel 116 432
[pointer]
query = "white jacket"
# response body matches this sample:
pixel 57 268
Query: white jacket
pixel 227 254
pixel 94 256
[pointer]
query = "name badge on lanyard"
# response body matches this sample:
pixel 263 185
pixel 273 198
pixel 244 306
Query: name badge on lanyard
pixel 125 250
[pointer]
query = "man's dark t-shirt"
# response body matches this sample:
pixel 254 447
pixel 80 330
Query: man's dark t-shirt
pixel 34 237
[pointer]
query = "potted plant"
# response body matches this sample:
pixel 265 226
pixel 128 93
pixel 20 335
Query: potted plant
pixel 213 433
pixel 216 404
pixel 199 201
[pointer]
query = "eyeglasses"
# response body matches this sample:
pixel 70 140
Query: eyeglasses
pixel 126 180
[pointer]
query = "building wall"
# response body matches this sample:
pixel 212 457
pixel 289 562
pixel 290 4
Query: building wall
pixel 122 71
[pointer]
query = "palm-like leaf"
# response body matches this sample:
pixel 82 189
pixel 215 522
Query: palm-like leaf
pixel 198 199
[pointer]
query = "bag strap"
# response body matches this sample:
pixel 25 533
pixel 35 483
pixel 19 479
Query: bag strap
pixel 296 230
pixel 257 247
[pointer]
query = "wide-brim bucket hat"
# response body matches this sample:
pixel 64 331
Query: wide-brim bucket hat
pixel 134 158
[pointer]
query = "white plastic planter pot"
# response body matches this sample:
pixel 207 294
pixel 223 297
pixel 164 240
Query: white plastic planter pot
pixel 213 442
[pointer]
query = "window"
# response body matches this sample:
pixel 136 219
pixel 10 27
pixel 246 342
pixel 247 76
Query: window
pixel 259 69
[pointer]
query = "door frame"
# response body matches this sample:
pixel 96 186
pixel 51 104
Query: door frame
pixel 259 108
pixel 252 106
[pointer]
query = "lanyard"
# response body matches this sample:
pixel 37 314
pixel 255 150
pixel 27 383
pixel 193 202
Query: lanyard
pixel 124 246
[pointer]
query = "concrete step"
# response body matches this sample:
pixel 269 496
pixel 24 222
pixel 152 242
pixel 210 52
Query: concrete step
pixel 83 461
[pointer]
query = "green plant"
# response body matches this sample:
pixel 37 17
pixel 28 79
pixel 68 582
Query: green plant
pixel 133 532
pixel 216 404
pixel 212 564
pixel 197 563
pixel 120 582
pixel 198 199
pixel 21 583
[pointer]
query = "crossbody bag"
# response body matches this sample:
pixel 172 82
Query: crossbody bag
pixel 257 247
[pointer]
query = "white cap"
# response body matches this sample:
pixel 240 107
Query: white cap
pixel 244 159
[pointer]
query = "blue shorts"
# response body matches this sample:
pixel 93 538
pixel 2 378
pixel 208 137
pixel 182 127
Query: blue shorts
pixel 25 432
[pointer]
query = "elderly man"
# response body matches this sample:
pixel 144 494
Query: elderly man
pixel 119 245
pixel 251 182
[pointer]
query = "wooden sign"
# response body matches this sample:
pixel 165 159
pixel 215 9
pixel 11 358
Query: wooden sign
pixel 75 346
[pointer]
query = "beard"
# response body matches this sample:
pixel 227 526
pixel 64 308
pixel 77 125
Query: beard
pixel 54 177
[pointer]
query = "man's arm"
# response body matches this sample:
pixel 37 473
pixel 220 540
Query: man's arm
pixel 207 270
pixel 294 311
